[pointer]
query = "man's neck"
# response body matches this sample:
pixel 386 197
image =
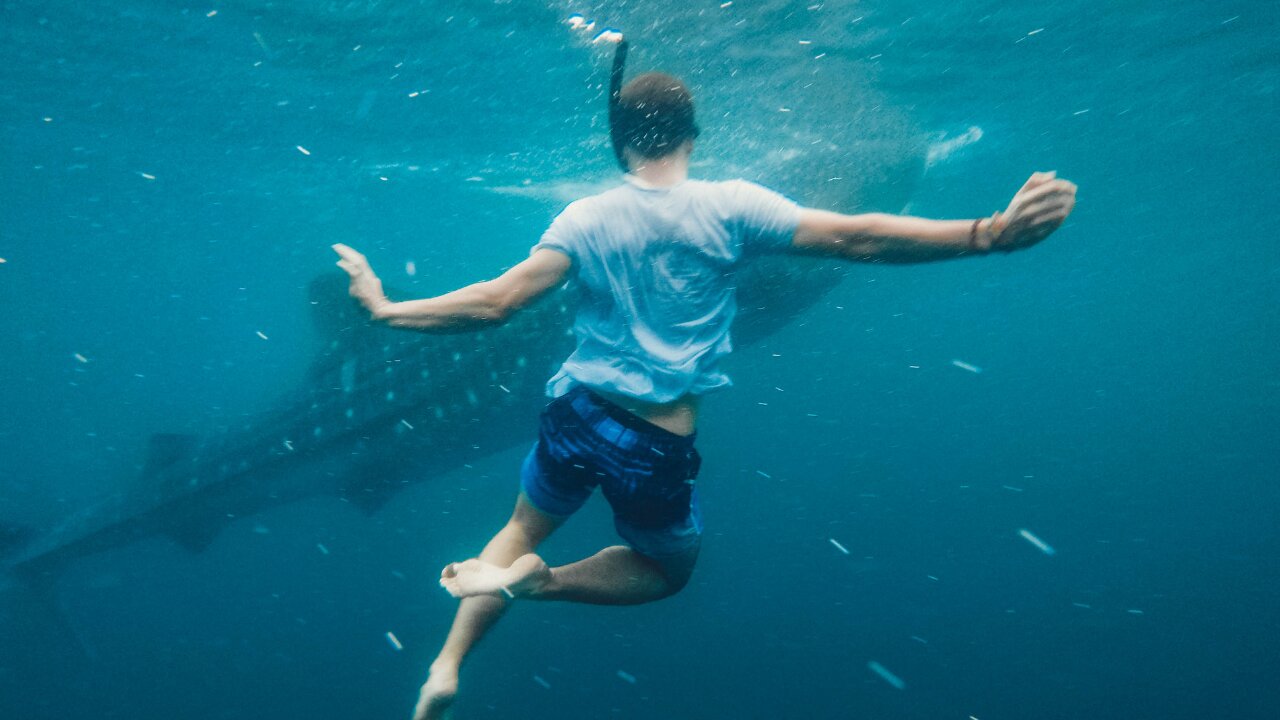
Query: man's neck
pixel 661 172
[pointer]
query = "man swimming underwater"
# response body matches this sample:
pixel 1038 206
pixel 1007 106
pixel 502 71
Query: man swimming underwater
pixel 654 261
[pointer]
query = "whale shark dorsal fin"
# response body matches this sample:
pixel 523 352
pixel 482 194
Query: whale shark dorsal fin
pixel 165 449
pixel 341 325
pixel 156 483
pixel 333 312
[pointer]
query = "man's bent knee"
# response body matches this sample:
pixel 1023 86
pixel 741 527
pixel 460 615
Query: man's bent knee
pixel 676 570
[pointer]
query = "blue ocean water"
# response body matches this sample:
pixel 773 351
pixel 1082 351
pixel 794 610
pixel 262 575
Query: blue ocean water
pixel 171 178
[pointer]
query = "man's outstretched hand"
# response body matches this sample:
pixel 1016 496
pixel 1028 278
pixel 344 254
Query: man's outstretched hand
pixel 365 285
pixel 1035 211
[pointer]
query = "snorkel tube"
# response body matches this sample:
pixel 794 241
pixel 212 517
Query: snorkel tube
pixel 615 98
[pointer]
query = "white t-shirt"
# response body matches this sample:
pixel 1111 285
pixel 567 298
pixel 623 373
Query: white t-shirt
pixel 655 268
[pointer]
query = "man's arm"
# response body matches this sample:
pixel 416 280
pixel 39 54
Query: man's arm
pixel 483 303
pixel 1036 210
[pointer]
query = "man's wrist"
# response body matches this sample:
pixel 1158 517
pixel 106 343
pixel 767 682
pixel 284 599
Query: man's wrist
pixel 984 234
pixel 995 232
pixel 380 308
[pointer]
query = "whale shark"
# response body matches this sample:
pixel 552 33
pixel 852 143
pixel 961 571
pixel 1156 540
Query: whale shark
pixel 386 406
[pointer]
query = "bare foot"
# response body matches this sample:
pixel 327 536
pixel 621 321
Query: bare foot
pixel 438 692
pixel 526 576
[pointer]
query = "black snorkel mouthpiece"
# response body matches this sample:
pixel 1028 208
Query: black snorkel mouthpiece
pixel 616 130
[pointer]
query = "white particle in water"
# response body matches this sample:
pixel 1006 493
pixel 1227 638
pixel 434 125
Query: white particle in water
pixel 395 641
pixel 885 675
pixel 1043 546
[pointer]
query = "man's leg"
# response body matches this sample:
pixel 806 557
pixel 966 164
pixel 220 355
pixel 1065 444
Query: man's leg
pixel 526 529
pixel 614 576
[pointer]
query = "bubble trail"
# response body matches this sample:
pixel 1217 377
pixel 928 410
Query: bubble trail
pixel 1030 537
pixel 885 675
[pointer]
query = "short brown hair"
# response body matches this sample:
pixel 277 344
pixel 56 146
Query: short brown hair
pixel 655 115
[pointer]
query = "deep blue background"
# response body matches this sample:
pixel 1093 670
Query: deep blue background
pixel 1127 411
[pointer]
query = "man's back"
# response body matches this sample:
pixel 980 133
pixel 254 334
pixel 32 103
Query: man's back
pixel 655 267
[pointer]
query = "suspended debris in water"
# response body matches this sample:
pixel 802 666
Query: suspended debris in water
pixel 887 676
pixel 839 547
pixel 395 641
pixel 542 682
pixel 1042 545
pixel 966 366
pixel 264 337
pixel 627 676
pixel 80 357
pixel 303 150
pixel 323 550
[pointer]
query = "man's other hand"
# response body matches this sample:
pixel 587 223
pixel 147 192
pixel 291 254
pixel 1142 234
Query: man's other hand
pixel 365 285
pixel 1035 211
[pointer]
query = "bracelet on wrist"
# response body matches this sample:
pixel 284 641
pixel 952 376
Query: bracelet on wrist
pixel 990 233
pixel 973 236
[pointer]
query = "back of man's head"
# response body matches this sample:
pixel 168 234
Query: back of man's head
pixel 655 115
